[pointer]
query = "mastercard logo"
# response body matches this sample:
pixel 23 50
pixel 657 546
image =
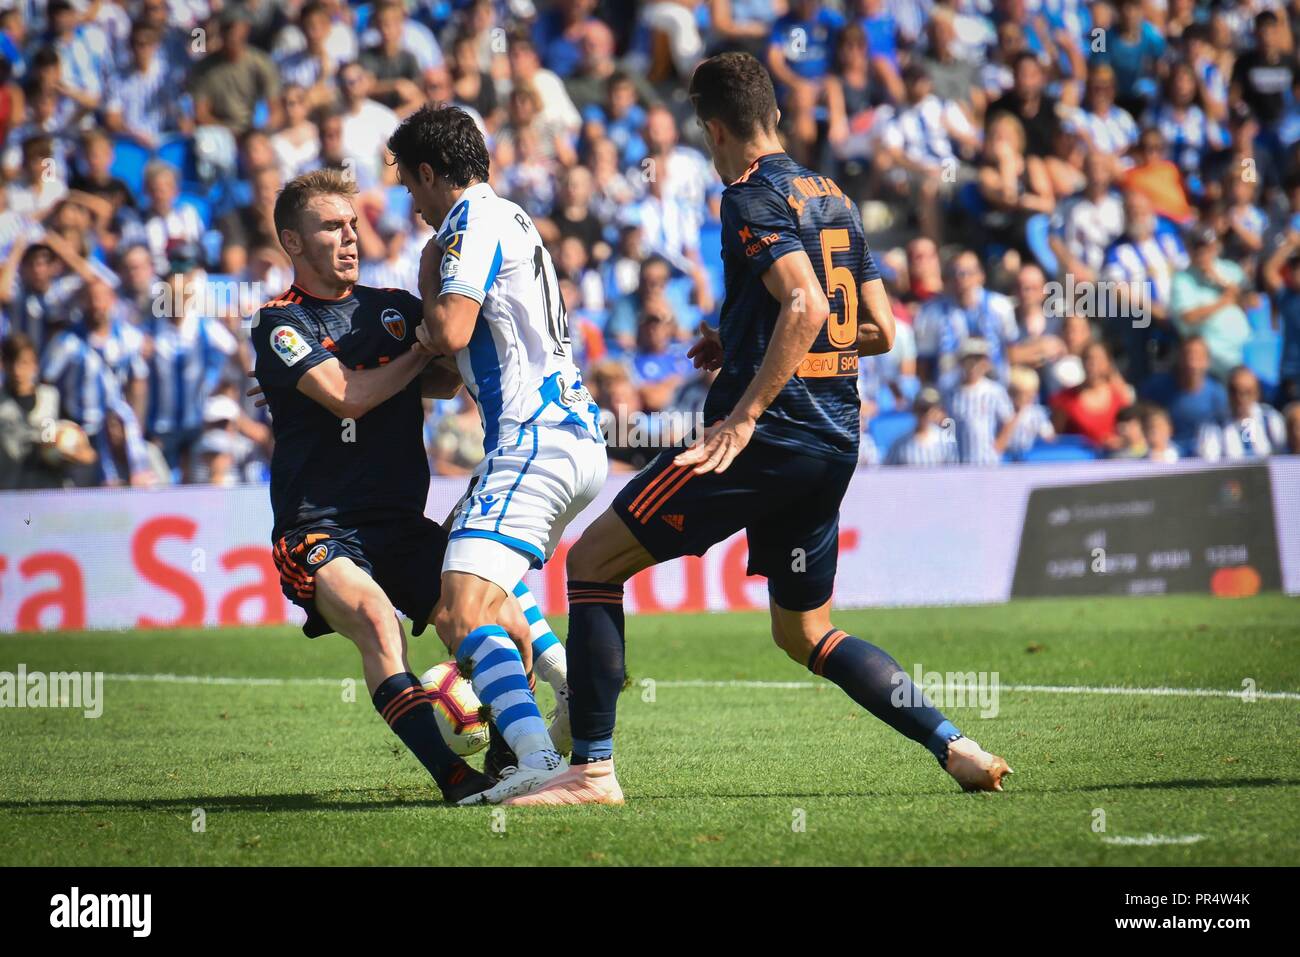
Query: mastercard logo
pixel 1238 582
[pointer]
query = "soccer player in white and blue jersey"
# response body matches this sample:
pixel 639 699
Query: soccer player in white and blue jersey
pixel 492 299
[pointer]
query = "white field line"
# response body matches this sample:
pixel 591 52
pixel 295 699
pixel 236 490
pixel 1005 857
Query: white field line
pixel 768 685
pixel 1151 840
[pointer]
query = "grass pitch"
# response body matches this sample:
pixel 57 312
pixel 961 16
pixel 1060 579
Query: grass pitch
pixel 717 770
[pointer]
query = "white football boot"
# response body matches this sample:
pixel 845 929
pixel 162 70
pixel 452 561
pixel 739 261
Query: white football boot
pixel 516 782
pixel 561 733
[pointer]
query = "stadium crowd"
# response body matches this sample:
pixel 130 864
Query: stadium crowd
pixel 1088 214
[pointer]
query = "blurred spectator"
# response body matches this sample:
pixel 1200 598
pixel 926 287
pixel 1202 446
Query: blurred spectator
pixel 1192 398
pixel 931 443
pixel 1206 299
pixel 1157 430
pixel 1027 103
pixel 1031 422
pixel 969 311
pixel 189 352
pixel 1140 266
pixel 1130 438
pixel 28 412
pixel 1108 129
pixel 1253 430
pixel 228 83
pixel 659 365
pixel 1091 408
pixel 297 144
pixel 167 223
pixel 1014 186
pixel 980 407
pixel 396 69
pixel 1132 51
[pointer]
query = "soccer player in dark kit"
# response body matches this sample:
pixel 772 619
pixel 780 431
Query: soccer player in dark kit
pixel 778 457
pixel 343 374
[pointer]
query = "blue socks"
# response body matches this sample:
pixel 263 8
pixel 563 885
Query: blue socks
pixel 496 671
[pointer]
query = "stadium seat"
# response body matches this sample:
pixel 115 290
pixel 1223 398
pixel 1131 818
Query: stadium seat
pixel 129 161
pixel 888 427
pixel 1066 448
pixel 1263 356
pixel 1036 230
pixel 179 152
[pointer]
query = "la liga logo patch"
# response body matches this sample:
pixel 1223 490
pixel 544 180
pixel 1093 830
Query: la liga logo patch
pixel 395 323
pixel 288 345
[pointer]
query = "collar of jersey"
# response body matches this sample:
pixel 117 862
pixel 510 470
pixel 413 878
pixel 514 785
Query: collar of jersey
pixel 304 294
pixel 459 213
pixel 754 165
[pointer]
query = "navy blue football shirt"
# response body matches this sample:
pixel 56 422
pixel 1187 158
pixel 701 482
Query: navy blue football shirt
pixel 776 208
pixel 322 468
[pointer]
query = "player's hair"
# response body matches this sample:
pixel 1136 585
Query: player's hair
pixel 300 190
pixel 448 139
pixel 734 89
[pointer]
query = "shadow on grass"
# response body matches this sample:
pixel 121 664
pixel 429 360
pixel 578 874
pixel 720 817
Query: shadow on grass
pixel 364 799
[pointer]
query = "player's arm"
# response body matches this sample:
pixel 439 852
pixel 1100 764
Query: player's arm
pixel 351 393
pixel 454 280
pixel 876 330
pixel 793 283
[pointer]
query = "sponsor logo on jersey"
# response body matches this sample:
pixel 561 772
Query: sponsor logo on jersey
pixel 675 521
pixel 486 502
pixel 288 345
pixel 316 555
pixel 395 323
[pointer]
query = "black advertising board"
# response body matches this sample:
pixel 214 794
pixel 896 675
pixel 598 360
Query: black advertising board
pixel 1209 531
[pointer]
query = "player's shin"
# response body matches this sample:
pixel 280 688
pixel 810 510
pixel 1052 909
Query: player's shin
pixel 549 662
pixel 496 671
pixel 878 683
pixel 596 667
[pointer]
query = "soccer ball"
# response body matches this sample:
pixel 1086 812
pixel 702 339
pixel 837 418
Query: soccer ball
pixel 456 707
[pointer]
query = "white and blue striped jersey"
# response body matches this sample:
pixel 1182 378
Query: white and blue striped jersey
pixel 979 412
pixel 519 363
pixel 186 364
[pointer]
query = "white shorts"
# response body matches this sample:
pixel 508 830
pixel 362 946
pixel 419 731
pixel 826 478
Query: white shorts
pixel 521 499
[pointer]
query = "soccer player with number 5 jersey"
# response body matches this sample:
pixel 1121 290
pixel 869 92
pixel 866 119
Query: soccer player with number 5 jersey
pixel 803 301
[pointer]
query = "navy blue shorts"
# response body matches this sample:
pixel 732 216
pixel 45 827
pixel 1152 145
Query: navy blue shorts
pixel 404 557
pixel 787 503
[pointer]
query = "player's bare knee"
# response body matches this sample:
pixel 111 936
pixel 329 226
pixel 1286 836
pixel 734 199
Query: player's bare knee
pixel 585 561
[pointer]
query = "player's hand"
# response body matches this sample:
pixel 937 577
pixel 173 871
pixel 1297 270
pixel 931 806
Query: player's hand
pixel 719 446
pixel 256 393
pixel 707 353
pixel 424 342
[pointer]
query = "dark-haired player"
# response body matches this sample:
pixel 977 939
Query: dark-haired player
pixel 803 302
pixel 492 299
pixel 343 373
